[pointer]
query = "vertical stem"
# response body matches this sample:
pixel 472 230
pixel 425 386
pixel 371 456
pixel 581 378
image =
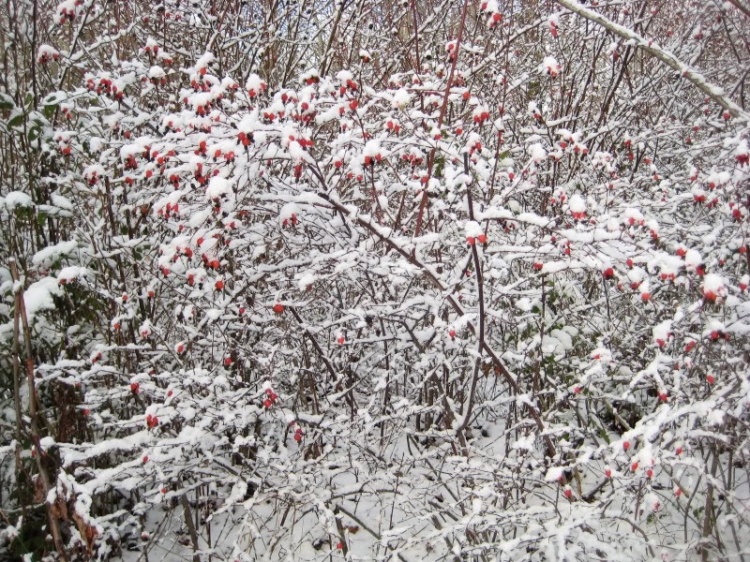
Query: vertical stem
pixel 20 310
pixel 443 108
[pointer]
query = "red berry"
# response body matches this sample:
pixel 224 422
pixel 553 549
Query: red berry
pixel 568 493
pixel 145 460
pixel 608 473
pixel 219 285
pixel 267 402
pixel 634 466
pixel 341 340
pixel 134 387
pixel 482 239
pixel 626 445
pixel 278 308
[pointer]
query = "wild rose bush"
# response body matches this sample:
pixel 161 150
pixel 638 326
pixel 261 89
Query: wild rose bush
pixel 303 304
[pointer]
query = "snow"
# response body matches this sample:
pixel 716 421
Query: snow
pixel 473 229
pixel 577 204
pixel 72 273
pixel 401 98
pixel 537 153
pixel 714 286
pixel 16 199
pixel 54 252
pixel 217 187
pixel 39 295
pixel 549 66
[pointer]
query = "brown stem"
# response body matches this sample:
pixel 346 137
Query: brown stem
pixel 443 108
pixel 20 310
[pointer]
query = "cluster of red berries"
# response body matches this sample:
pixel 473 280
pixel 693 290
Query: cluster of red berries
pixel 271 399
pixel 69 15
pixel 482 239
pixel 717 335
pixel 246 139
pixel 46 57
pixel 293 220
pixel 105 87
pixel 297 433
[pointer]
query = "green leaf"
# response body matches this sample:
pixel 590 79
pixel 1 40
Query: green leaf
pixel 49 111
pixel 6 102
pixel 17 121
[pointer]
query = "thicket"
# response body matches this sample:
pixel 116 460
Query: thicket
pixel 317 280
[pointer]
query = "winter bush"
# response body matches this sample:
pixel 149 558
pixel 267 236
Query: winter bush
pixel 374 281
